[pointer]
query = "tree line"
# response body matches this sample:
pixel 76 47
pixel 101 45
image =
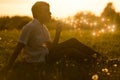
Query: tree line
pixel 88 20
pixel 79 20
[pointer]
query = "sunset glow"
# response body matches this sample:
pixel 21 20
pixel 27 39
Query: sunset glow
pixel 59 8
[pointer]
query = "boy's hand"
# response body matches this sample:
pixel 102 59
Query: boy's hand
pixel 57 34
pixel 59 27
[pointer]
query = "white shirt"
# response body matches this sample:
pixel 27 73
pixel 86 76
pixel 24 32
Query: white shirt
pixel 34 35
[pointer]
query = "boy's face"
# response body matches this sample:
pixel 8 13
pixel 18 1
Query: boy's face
pixel 45 14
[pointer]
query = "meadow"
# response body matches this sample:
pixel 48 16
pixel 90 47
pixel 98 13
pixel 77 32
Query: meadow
pixel 101 33
pixel 107 43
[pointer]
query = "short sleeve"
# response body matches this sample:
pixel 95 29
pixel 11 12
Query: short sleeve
pixel 24 36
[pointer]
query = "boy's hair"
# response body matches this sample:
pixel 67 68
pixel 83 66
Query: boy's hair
pixel 37 7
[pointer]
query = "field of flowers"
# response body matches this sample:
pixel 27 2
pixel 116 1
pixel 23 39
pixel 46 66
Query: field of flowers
pixel 106 43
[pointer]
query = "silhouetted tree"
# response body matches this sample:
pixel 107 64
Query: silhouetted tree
pixel 109 12
pixel 118 20
pixel 17 22
pixel 3 21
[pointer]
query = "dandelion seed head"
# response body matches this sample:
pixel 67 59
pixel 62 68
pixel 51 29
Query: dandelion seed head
pixel 95 77
pixel 105 70
pixel 115 65
pixel 108 73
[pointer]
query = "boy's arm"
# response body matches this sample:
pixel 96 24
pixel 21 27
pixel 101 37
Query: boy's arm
pixel 50 44
pixel 57 34
pixel 14 56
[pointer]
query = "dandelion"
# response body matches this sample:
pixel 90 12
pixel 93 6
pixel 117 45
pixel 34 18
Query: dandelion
pixel 94 55
pixel 108 73
pixel 105 70
pixel 115 65
pixel 95 77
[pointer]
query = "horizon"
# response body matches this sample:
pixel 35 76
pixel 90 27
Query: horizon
pixel 60 9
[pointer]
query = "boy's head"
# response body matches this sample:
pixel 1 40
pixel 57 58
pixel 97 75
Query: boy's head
pixel 41 11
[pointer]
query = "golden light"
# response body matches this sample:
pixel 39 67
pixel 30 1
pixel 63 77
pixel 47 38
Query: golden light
pixel 84 20
pixel 93 33
pixel 102 30
pixel 74 27
pixel 108 19
pixel 87 23
pixel 113 26
pixel 112 30
pixel 95 23
pixel 91 24
pixel 105 24
pixel 102 19
pixel 109 27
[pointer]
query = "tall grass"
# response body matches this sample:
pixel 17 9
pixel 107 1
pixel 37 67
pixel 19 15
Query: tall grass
pixel 8 40
pixel 106 44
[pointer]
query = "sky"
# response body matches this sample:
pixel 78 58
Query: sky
pixel 59 8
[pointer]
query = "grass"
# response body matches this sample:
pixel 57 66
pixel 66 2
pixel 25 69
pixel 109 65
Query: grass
pixel 106 43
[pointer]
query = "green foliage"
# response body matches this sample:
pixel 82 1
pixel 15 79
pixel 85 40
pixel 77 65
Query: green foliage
pixel 110 13
pixel 107 44
pixel 3 22
pixel 15 22
pixel 8 40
